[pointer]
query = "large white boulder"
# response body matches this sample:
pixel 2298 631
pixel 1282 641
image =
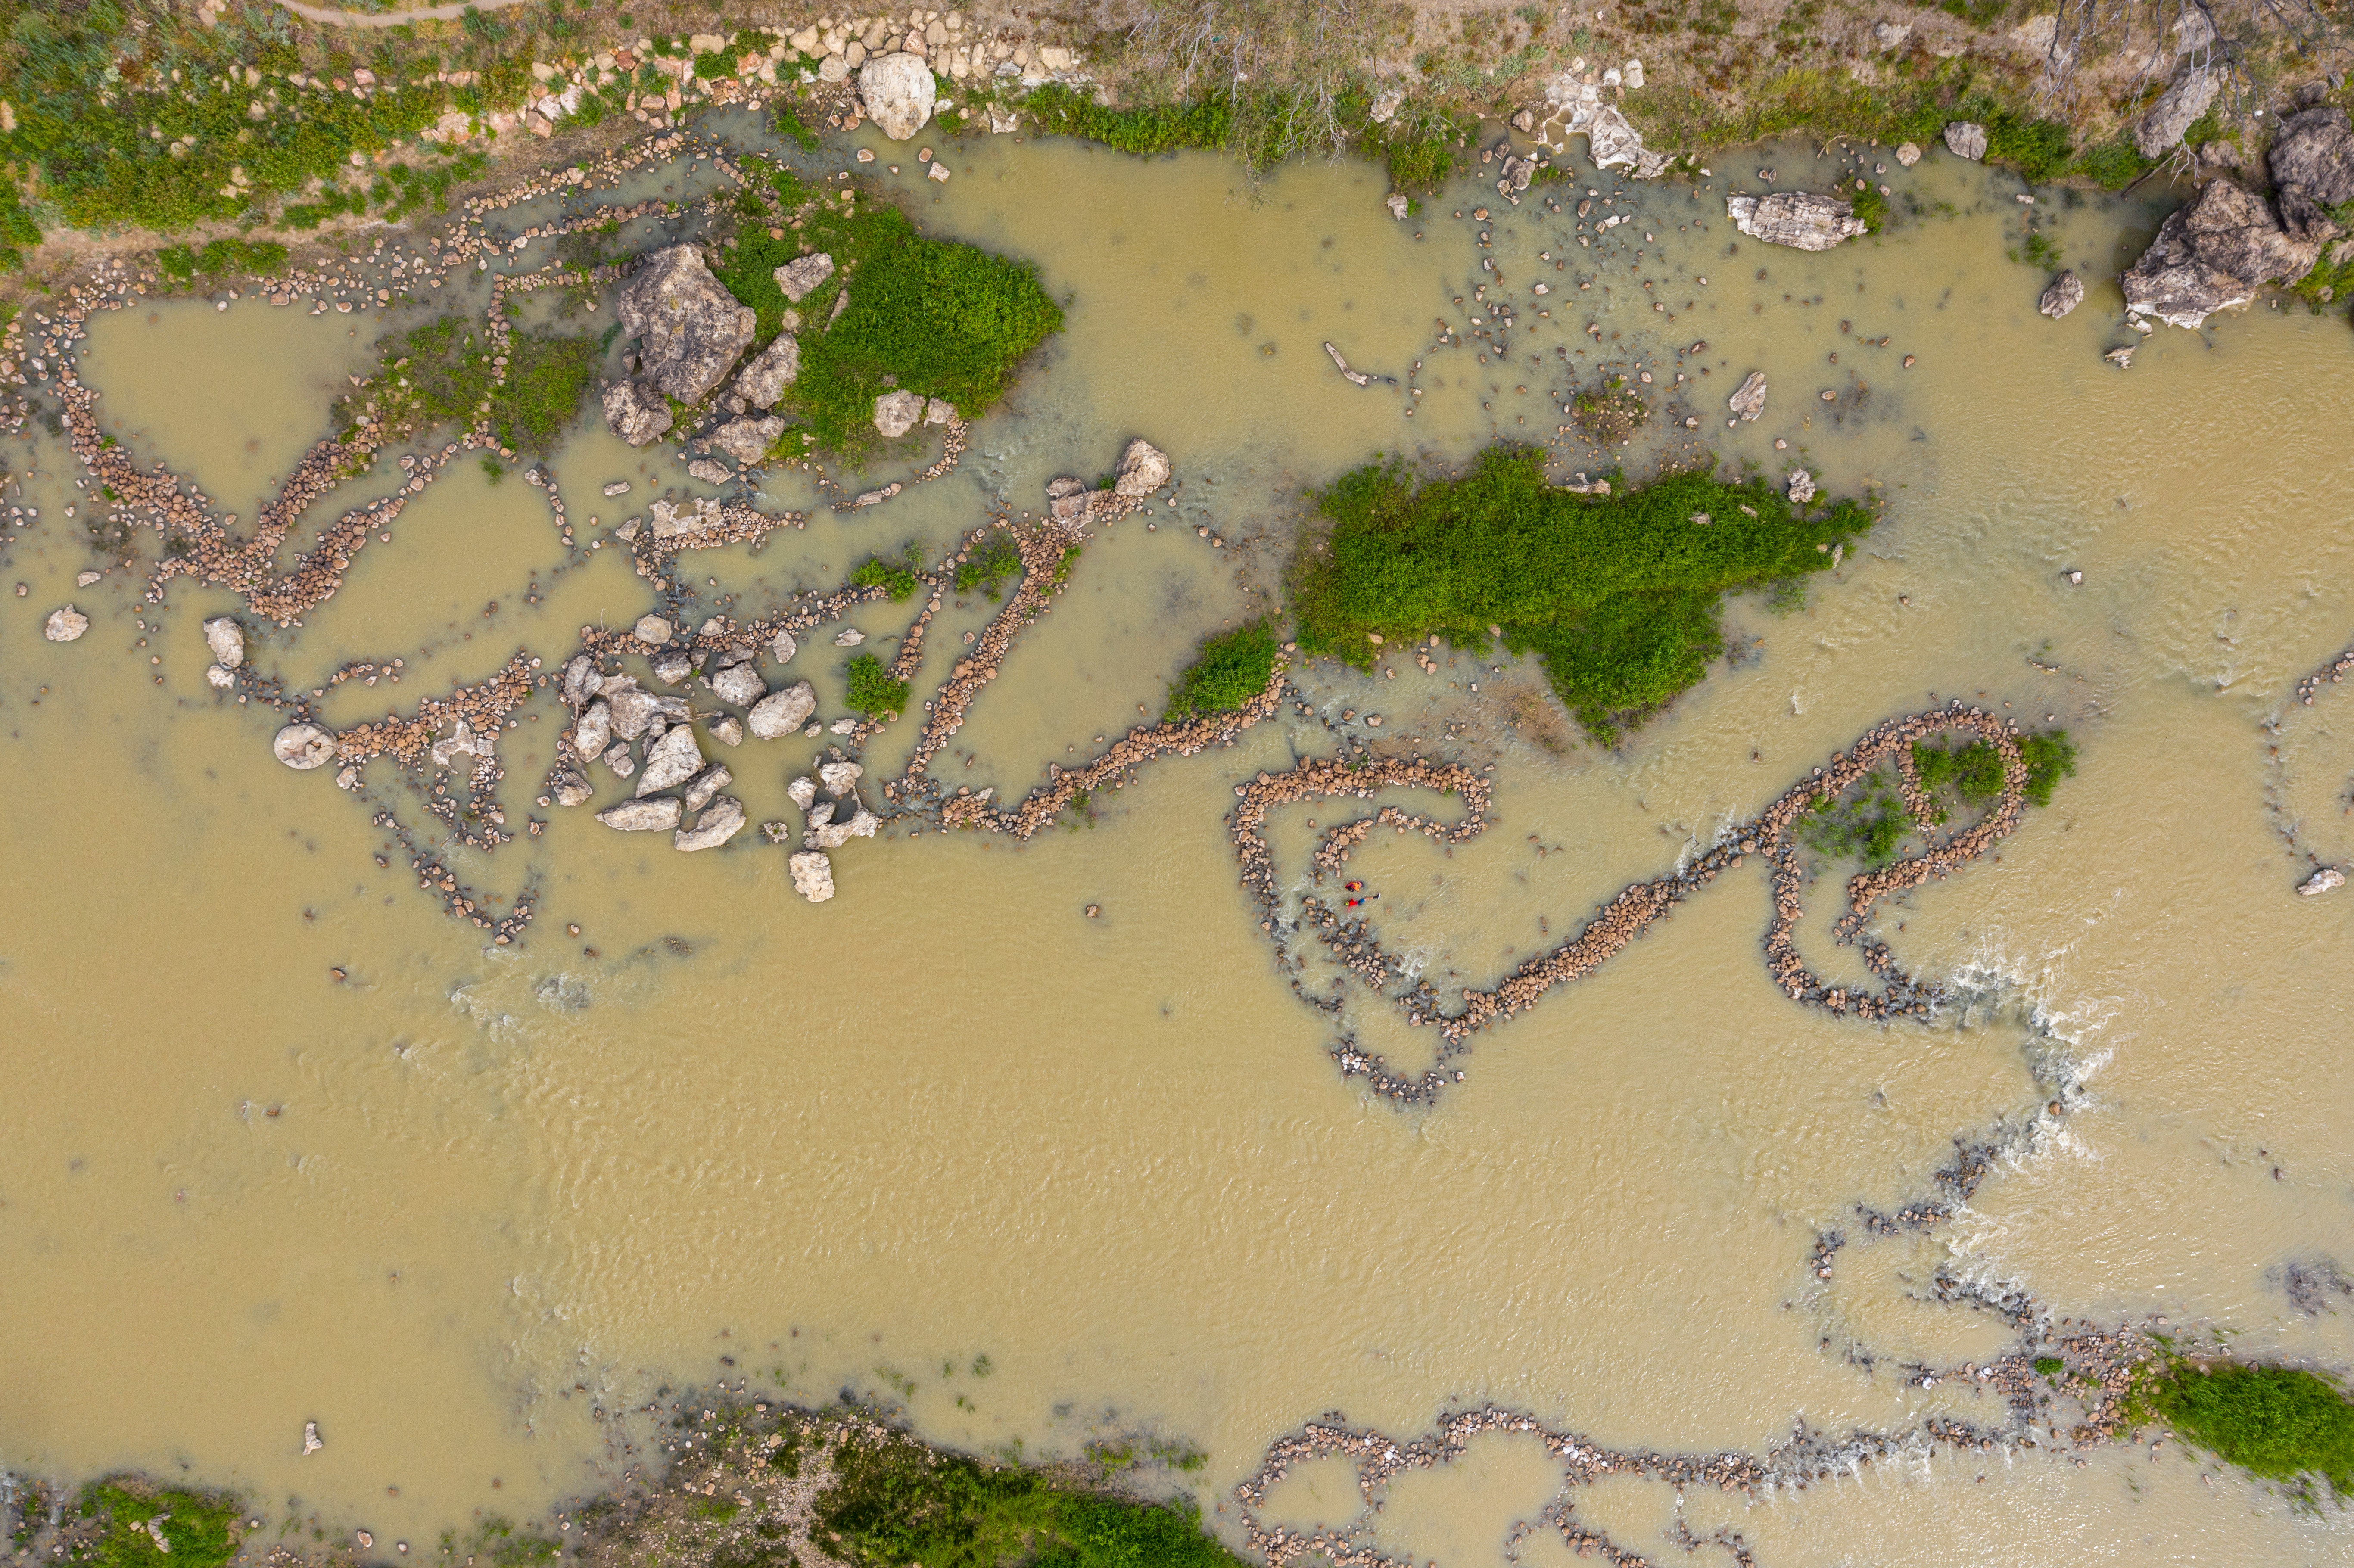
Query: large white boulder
pixel 898 93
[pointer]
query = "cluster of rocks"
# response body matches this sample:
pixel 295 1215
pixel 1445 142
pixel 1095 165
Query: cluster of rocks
pixel 1577 106
pixel 828 798
pixel 2216 253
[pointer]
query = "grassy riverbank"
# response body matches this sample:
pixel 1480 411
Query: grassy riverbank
pixel 1620 595
pixel 745 1488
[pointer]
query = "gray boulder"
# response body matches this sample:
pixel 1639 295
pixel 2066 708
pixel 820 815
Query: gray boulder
pixel 633 707
pixel 780 714
pixel 689 328
pixel 1143 469
pixel 813 876
pixel 840 777
pixel 2315 150
pixel 747 441
pixel 833 835
pixel 225 638
pixel 2186 98
pixel 709 470
pixel 2326 880
pixel 896 413
pixel 618 757
pixel 723 821
pixel 2312 162
pixel 898 93
pixel 739 684
pixel 2213 255
pixel 671 761
pixel 636 412
pixel 652 628
pixel 64 625
pixel 302 746
pixel 1748 399
pixel 652 816
pixel 803 273
pixel 1802 487
pixel 2064 294
pixel 782 646
pixel 768 373
pixel 1800 219
pixel 582 680
pixel 1611 141
pixel 1965 138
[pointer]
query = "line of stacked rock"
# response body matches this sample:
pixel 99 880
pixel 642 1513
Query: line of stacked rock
pixel 1636 906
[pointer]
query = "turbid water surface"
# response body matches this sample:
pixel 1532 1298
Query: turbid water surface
pixel 286 1144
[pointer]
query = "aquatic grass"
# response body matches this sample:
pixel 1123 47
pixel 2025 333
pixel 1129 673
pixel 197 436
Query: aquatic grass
pixel 1148 129
pixel 1227 671
pixel 239 257
pixel 873 691
pixel 197 1529
pixel 441 374
pixel 894 1503
pixel 2279 1423
pixel 1620 595
pixel 991 561
pixel 896 578
pixel 1974 771
pixel 1867 825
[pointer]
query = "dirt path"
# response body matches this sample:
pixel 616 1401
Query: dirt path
pixel 334 18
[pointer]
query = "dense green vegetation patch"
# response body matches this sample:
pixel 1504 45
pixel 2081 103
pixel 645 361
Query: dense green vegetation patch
pixel 1064 111
pixel 895 1503
pixel 930 316
pixel 1230 669
pixel 1620 594
pixel 873 691
pixel 195 1530
pixel 1867 824
pixel 441 374
pixel 2275 1422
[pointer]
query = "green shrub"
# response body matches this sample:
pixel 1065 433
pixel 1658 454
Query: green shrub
pixel 1229 670
pixel 441 374
pixel 1620 595
pixel 2050 758
pixel 2275 1422
pixel 1867 826
pixel 1973 769
pixel 1872 207
pixel 877 572
pixel 873 691
pixel 2113 165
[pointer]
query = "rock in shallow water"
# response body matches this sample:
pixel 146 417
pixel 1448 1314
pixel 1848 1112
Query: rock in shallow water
pixel 670 762
pixel 1143 469
pixel 749 440
pixel 779 714
pixel 1966 139
pixel 1748 399
pixel 2064 293
pixel 636 411
pixel 656 815
pixel 2213 255
pixel 738 683
pixel 64 625
pixel 1802 487
pixel 722 821
pixel 813 876
pixel 1803 220
pixel 225 638
pixel 2323 881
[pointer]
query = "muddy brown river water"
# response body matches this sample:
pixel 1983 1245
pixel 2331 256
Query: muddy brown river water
pixel 1037 1178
